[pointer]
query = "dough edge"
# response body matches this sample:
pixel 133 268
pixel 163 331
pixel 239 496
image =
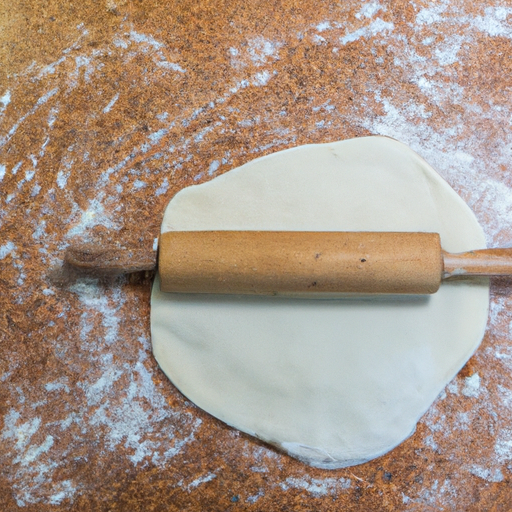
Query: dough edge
pixel 319 457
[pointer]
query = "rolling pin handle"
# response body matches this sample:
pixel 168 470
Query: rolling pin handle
pixel 484 262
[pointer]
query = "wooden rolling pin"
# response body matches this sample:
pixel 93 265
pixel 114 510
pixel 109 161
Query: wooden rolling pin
pixel 290 262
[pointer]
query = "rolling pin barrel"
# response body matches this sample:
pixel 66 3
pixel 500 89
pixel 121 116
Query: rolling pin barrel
pixel 288 262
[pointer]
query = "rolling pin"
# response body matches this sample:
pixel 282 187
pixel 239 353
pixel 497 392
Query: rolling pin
pixel 297 262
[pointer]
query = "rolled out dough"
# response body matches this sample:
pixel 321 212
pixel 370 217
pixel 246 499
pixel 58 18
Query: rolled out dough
pixel 331 382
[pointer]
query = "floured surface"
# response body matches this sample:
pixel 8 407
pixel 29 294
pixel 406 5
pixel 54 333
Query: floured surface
pixel 99 132
pixel 335 382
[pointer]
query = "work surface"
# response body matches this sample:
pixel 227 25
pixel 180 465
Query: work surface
pixel 110 108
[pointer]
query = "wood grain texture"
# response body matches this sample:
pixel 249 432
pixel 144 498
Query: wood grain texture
pixel 485 262
pixel 299 262
pixel 110 108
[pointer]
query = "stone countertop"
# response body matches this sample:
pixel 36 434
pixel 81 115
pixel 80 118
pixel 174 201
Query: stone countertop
pixel 107 109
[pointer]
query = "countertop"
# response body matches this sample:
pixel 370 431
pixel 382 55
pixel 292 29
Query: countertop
pixel 107 109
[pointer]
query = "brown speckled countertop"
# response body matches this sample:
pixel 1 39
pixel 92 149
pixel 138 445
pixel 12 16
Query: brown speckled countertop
pixel 107 109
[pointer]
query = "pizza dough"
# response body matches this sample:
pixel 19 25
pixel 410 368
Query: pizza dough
pixel 331 382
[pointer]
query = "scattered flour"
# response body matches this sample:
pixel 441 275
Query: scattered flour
pixel 472 386
pixel 122 396
pixel 261 50
pixel 318 486
pixel 369 10
pixel 490 475
pixel 201 480
pixel 111 103
pixel 375 28
pixel 94 215
pixel 6 249
pixel 5 100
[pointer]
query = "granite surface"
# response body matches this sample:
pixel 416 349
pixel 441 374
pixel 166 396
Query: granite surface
pixel 107 109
